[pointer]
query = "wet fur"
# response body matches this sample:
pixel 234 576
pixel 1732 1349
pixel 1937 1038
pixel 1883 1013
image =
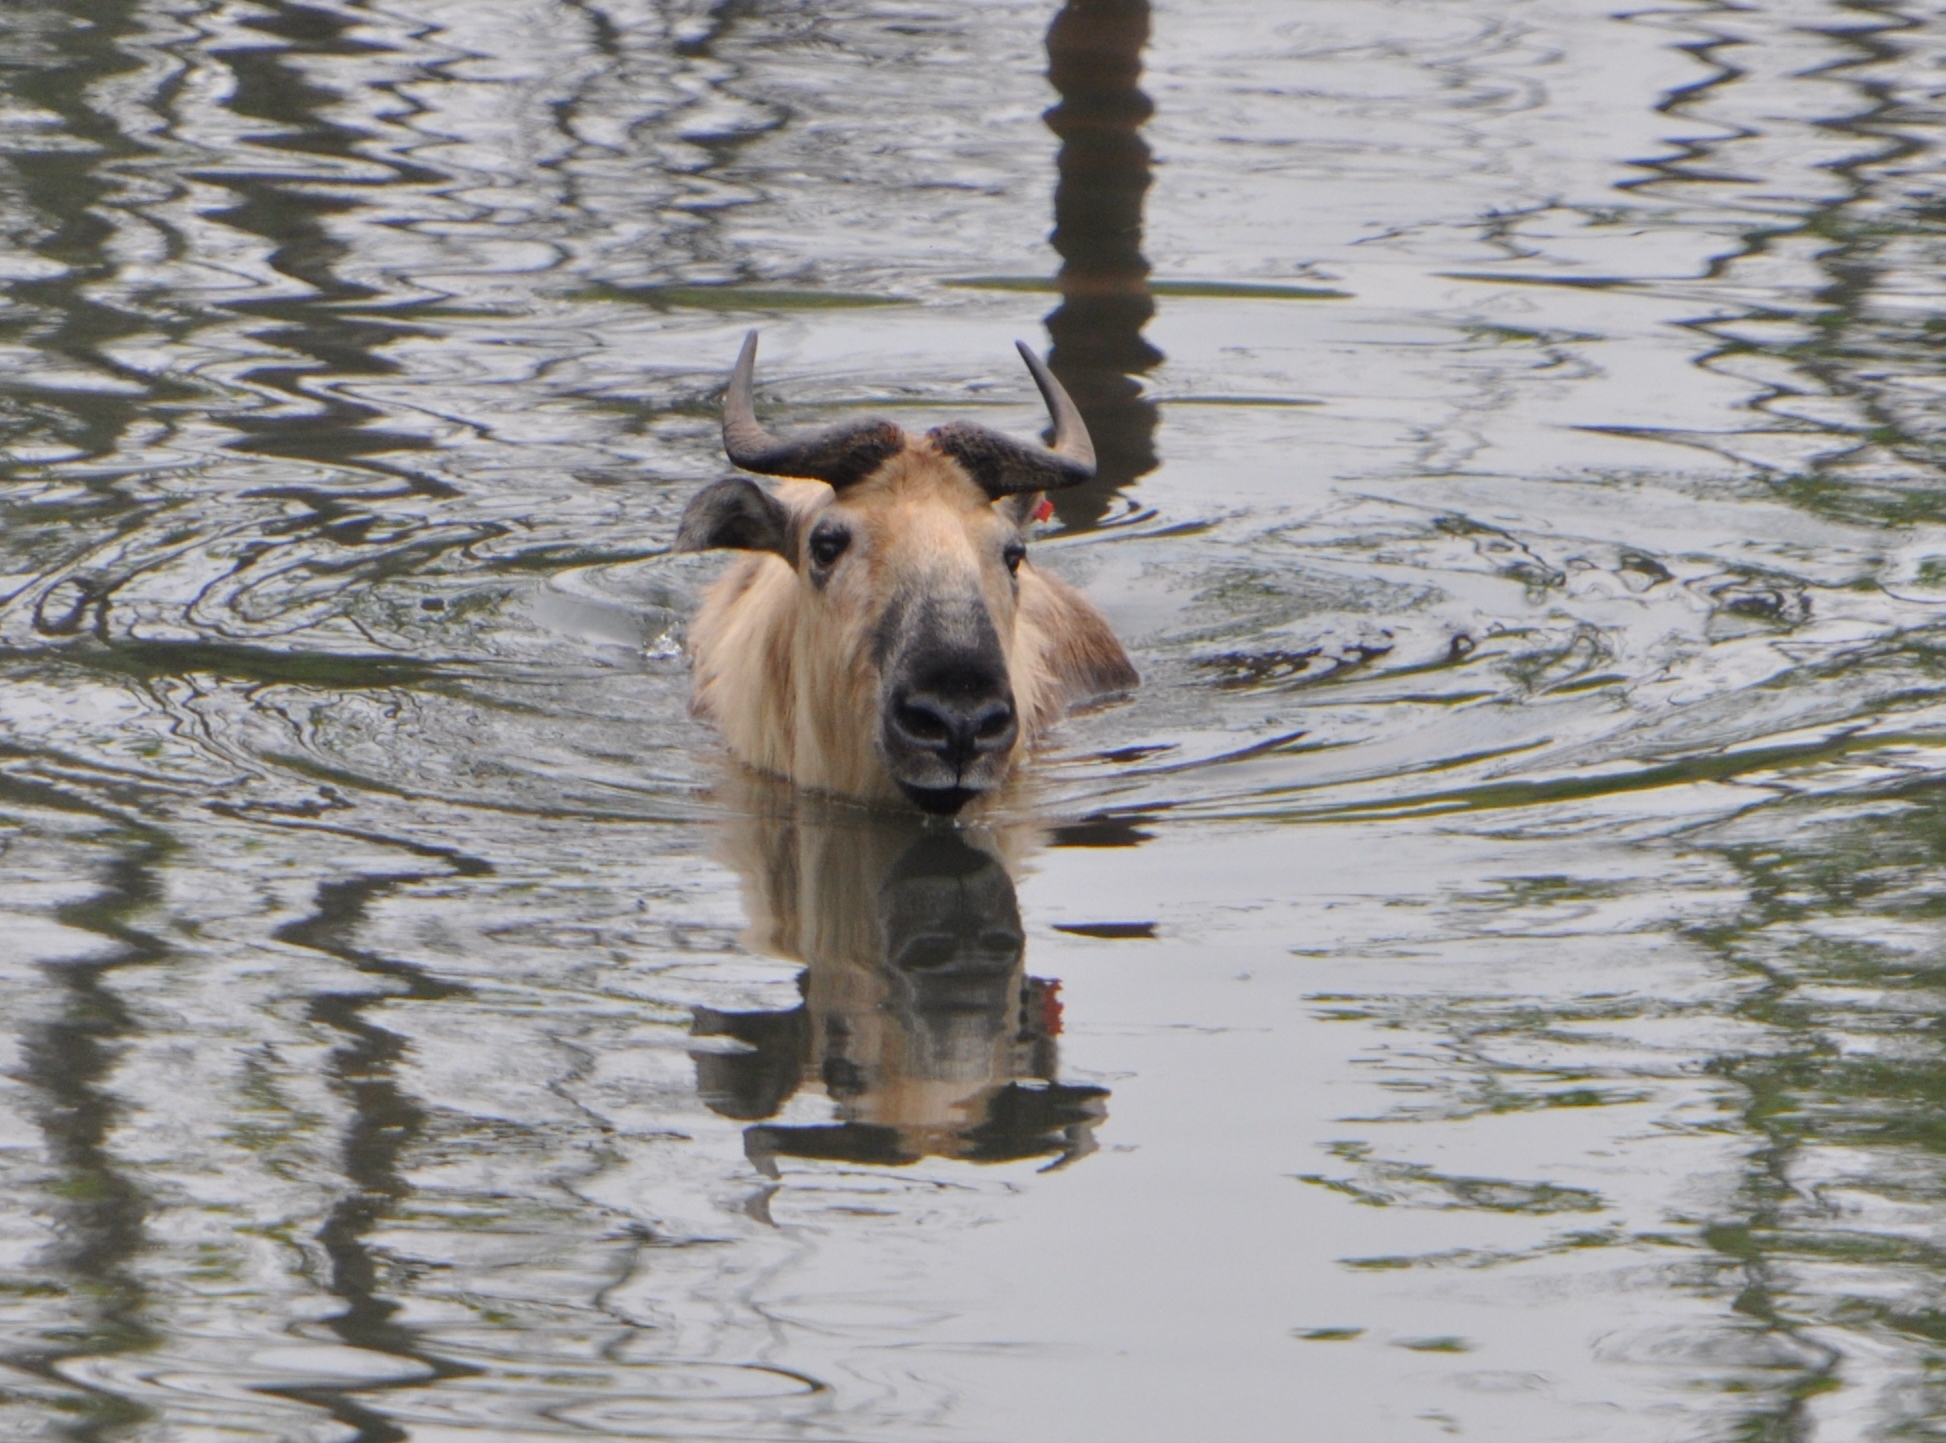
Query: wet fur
pixel 790 671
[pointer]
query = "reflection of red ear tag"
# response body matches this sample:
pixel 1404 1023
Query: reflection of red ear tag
pixel 1044 509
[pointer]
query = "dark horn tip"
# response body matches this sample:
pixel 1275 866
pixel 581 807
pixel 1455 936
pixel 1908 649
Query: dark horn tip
pixel 737 391
pixel 1071 439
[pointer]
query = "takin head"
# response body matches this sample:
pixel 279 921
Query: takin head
pixel 884 634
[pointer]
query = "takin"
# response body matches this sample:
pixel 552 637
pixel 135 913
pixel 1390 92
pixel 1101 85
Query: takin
pixel 884 635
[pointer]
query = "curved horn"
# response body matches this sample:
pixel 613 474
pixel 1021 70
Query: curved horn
pixel 840 456
pixel 1006 467
pixel 1070 431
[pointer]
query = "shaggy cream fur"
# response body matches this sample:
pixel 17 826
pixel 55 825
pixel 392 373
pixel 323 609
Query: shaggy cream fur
pixel 784 666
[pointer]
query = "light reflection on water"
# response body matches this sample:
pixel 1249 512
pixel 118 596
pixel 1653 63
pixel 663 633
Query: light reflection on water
pixel 1487 981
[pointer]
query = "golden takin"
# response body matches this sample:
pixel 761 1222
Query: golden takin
pixel 885 635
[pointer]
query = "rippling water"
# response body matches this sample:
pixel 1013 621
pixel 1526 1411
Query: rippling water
pixel 1488 982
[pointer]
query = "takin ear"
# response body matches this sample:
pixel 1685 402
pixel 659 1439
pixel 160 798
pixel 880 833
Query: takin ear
pixel 736 515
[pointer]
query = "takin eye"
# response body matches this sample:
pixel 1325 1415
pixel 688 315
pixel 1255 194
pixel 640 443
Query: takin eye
pixel 827 544
pixel 1013 553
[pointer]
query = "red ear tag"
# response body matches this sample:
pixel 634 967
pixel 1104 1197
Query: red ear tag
pixel 1051 1009
pixel 1044 509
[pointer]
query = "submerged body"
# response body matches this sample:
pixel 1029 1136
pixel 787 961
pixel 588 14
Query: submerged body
pixel 884 637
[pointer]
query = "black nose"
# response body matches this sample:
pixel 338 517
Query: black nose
pixel 954 725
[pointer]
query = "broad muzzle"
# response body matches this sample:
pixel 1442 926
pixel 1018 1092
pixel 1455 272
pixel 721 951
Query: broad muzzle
pixel 947 721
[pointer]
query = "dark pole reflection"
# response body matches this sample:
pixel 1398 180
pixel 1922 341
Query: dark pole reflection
pixel 919 1020
pixel 290 205
pixel 99 1210
pixel 385 1123
pixel 71 196
pixel 1094 59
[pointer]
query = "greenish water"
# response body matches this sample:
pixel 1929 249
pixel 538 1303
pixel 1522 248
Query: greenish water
pixel 1488 982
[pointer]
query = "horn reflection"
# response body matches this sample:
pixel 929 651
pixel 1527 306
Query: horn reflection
pixel 1094 59
pixel 919 1020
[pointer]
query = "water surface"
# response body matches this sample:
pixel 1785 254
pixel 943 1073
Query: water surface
pixel 1487 982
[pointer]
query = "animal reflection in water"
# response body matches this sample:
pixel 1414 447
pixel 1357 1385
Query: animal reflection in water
pixel 919 1020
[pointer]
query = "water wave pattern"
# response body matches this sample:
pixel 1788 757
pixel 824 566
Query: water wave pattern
pixel 1485 981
